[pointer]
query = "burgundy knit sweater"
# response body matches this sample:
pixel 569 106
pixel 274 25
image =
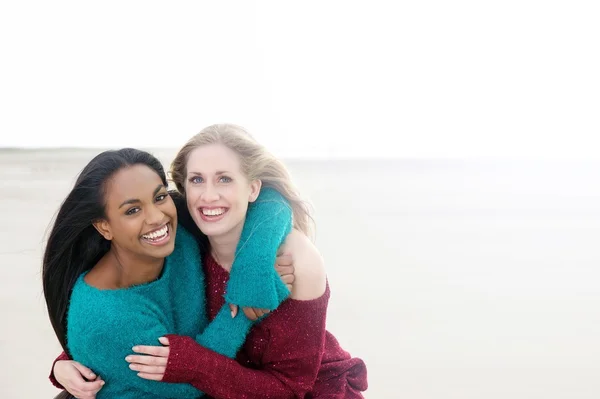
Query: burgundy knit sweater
pixel 287 355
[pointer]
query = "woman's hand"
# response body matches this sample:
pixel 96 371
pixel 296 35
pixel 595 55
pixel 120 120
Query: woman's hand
pixel 284 265
pixel 77 379
pixel 152 362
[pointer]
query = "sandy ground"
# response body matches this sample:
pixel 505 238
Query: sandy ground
pixel 451 279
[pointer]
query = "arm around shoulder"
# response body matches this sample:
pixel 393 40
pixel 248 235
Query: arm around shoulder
pixel 309 268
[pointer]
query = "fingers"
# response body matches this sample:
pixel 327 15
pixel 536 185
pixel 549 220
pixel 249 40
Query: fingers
pixel 93 387
pixel 150 367
pixel 262 312
pixel 154 377
pixel 284 260
pixel 288 279
pixel 255 313
pixel 284 265
pixel 147 360
pixel 234 310
pixel 85 372
pixel 286 273
pixel 160 370
pixel 86 390
pixel 250 313
pixel 74 377
pixel 162 351
pixel 284 270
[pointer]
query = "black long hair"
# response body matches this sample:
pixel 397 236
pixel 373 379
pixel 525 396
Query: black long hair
pixel 74 245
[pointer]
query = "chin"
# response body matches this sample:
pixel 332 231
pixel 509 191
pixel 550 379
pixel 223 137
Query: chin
pixel 165 251
pixel 213 231
pixel 162 251
pixel 220 228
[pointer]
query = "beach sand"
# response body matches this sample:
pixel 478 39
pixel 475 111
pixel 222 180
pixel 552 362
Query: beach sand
pixel 451 279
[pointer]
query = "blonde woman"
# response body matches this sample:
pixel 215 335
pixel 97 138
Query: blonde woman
pixel 290 353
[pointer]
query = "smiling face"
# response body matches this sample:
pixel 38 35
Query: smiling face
pixel 141 219
pixel 217 191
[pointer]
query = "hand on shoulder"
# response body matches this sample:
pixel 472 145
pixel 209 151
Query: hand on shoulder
pixel 309 267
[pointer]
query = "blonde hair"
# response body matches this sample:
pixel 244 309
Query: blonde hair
pixel 256 163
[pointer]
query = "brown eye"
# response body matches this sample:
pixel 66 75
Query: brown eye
pixel 132 211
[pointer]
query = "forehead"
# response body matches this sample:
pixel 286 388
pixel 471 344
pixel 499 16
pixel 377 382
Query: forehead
pixel 137 181
pixel 213 157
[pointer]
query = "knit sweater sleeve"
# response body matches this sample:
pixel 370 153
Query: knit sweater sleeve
pixel 104 345
pixel 225 335
pixel 289 366
pixel 254 281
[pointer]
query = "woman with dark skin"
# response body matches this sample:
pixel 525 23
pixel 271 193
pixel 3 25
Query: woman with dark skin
pixel 114 237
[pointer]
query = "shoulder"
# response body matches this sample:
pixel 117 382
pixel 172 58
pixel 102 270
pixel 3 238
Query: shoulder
pixel 97 313
pixel 93 312
pixel 89 304
pixel 309 268
pixel 106 306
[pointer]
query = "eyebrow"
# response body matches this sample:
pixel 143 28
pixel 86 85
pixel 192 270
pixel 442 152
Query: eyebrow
pixel 218 172
pixel 135 200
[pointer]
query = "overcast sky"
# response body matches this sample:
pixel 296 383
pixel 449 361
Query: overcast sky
pixel 415 79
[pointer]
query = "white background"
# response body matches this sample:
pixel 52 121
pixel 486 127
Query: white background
pixel 450 278
pixel 394 79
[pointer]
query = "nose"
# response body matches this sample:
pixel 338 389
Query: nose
pixel 154 216
pixel 209 194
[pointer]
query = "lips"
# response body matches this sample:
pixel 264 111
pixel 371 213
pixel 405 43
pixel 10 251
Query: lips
pixel 159 236
pixel 213 214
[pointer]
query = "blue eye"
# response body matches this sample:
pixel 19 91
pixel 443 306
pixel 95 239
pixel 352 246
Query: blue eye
pixel 196 180
pixel 225 179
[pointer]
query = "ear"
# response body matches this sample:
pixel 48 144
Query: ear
pixel 255 186
pixel 103 228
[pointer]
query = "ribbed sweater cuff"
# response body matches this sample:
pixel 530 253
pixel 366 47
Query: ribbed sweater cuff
pixel 187 360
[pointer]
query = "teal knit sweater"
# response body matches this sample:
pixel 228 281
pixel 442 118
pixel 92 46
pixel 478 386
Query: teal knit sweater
pixel 103 325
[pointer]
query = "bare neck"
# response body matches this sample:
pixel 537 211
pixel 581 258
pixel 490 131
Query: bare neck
pixel 223 247
pixel 119 269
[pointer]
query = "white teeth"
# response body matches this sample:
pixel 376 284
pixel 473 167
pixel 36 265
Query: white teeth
pixel 157 234
pixel 213 212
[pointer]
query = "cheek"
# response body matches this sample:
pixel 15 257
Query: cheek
pixel 239 195
pixel 126 231
pixel 243 209
pixel 169 209
pixel 239 199
pixel 192 194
